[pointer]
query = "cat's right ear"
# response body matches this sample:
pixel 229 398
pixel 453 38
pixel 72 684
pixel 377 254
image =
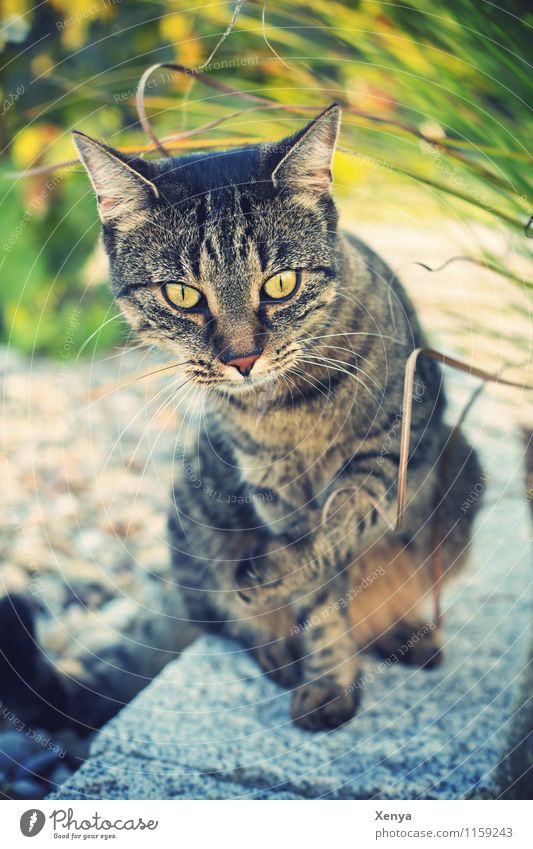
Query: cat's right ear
pixel 123 193
pixel 307 164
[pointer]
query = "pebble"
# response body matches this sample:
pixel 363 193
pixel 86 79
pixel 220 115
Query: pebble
pixel 14 748
pixel 59 775
pixel 14 579
pixel 28 771
pixel 26 789
pixel 37 766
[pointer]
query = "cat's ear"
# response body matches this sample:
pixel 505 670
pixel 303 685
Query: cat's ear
pixel 307 164
pixel 122 191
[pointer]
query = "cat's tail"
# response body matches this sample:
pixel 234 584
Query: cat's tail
pixel 31 691
pixel 107 665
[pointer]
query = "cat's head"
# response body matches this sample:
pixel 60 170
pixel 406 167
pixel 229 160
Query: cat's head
pixel 227 259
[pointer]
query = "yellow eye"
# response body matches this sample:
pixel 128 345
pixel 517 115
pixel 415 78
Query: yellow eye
pixel 281 285
pixel 181 295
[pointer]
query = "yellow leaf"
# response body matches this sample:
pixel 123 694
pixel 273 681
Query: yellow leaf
pixel 30 143
pixel 173 28
pixel 14 8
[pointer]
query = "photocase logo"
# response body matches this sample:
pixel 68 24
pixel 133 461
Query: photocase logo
pixel 32 822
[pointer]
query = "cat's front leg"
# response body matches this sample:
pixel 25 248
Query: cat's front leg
pixel 328 694
pixel 318 548
pixel 281 570
pixel 264 574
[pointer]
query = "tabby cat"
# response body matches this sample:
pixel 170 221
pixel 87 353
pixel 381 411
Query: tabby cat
pixel 296 335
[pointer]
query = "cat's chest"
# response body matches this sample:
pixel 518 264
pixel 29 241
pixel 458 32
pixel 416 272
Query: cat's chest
pixel 283 489
pixel 286 462
pixel 275 487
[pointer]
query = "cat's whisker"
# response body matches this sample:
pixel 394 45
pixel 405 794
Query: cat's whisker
pixel 286 381
pixel 109 389
pixel 342 363
pixel 163 368
pixel 186 419
pixel 351 333
pixel 97 331
pixel 167 403
pixel 170 387
pixel 103 397
pixel 161 407
pixel 126 349
pixel 298 373
pixel 182 412
pixel 348 369
pixel 119 438
pixel 321 363
pixel 351 351
pixel 355 377
pixel 203 420
pixel 172 413
pixel 303 375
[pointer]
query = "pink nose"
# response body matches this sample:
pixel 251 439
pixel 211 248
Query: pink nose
pixel 244 364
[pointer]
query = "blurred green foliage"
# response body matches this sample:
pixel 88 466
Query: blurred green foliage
pixel 437 115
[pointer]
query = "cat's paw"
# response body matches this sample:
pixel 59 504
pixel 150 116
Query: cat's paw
pixel 256 579
pixel 414 644
pixel 324 704
pixel 280 660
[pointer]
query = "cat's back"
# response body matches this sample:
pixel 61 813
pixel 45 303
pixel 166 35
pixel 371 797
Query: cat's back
pixel 371 281
pixel 383 310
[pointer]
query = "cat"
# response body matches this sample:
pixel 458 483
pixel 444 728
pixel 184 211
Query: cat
pixel 295 334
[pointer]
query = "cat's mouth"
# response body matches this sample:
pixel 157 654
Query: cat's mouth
pixel 269 368
pixel 245 383
pixel 266 369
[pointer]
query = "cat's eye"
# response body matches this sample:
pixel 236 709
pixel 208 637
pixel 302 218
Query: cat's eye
pixel 181 295
pixel 281 285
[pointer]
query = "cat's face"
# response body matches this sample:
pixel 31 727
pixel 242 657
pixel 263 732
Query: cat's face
pixel 228 260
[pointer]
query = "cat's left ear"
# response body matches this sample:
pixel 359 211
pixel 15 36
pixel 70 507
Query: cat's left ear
pixel 307 164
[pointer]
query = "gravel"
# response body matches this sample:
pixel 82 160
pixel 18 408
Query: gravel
pixel 84 490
